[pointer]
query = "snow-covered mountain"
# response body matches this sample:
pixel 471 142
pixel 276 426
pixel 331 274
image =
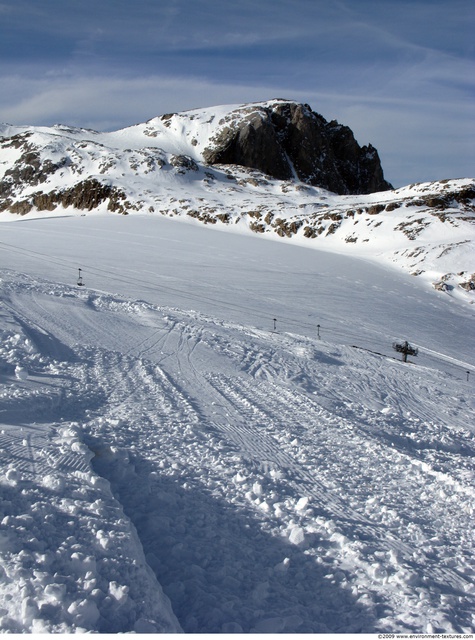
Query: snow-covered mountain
pixel 184 165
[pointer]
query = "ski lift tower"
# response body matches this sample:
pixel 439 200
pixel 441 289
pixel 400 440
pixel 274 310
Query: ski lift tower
pixel 406 349
pixel 80 282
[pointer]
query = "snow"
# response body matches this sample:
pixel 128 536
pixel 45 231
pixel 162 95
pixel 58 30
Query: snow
pixel 424 229
pixel 170 462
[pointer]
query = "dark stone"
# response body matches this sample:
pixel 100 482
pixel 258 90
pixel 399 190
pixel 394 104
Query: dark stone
pixel 286 139
pixel 87 195
pixel 252 144
pixel 30 169
pixel 183 162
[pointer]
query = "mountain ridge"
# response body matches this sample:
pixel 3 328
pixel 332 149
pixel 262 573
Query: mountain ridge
pixel 179 165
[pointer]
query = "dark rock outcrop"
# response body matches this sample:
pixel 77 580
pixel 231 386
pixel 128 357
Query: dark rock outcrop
pixel 251 142
pixel 28 169
pixel 183 163
pixel 286 139
pixel 87 194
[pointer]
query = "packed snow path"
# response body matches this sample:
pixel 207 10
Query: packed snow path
pixel 275 482
pixel 164 469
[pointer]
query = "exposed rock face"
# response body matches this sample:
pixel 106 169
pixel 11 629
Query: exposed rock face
pixel 85 195
pixel 252 143
pixel 287 139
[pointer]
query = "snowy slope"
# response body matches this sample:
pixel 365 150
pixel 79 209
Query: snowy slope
pixel 170 461
pixel 157 167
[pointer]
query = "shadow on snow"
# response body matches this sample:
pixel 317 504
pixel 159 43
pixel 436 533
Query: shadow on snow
pixel 221 570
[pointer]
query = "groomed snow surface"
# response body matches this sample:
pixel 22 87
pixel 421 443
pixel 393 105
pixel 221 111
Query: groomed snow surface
pixel 180 450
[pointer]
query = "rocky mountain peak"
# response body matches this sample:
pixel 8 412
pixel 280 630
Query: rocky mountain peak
pixel 286 140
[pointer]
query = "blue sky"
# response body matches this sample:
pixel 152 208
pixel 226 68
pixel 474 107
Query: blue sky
pixel 400 73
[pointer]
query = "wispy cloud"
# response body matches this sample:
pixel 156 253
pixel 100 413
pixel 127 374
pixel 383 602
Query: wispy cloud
pixel 118 102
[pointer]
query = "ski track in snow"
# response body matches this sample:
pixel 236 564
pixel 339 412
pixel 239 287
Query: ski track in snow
pixel 272 482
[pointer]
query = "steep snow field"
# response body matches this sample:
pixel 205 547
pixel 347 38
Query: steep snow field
pixel 214 434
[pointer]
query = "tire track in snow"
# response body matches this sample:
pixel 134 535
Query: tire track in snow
pixel 294 411
pixel 236 407
pixel 276 406
pixel 266 447
pixel 239 405
pixel 22 445
pixel 131 382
